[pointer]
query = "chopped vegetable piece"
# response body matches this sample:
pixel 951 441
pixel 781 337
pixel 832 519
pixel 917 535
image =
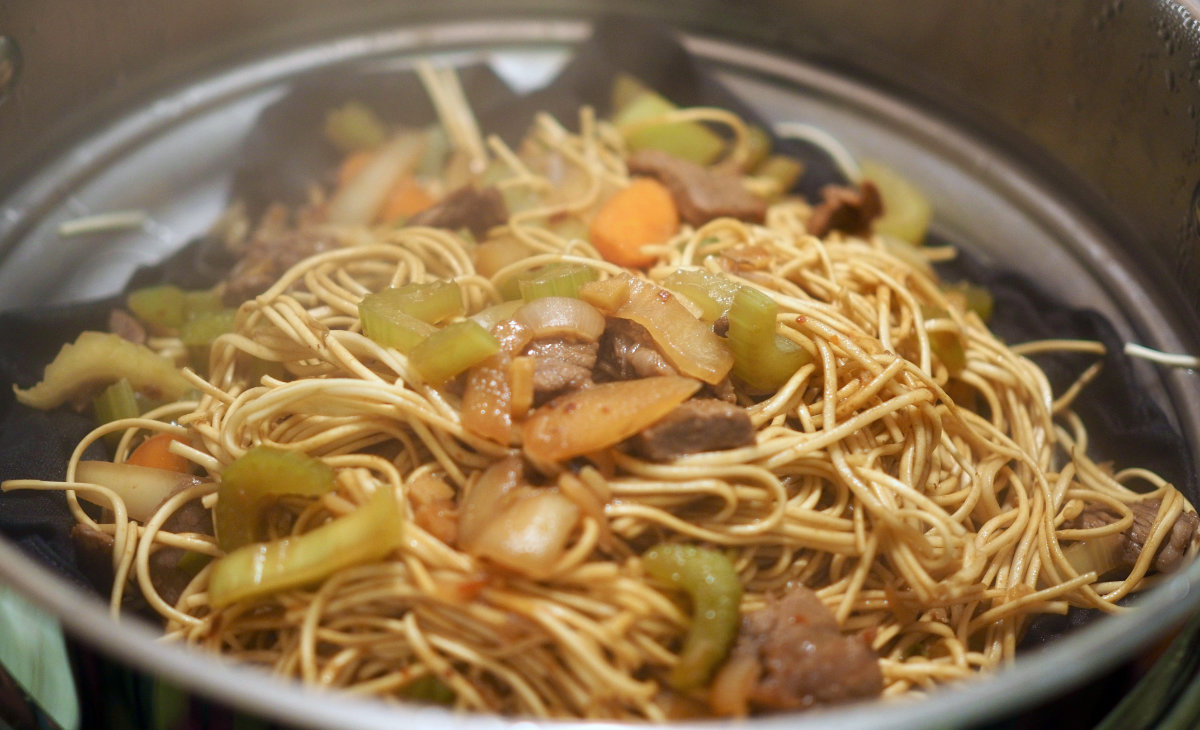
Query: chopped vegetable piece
pixel 625 89
pixel 641 213
pixel 199 301
pixel 406 198
pixel 487 400
pixel 252 481
pixel 604 415
pixel 711 582
pixel 689 140
pixel 453 349
pixel 394 329
pixel 360 199
pixel 115 402
pixel 972 297
pixel 711 292
pixel 253 571
pixel 566 317
pixel 906 210
pixel 204 327
pixel 141 488
pixel 758 146
pixel 163 307
pixel 497 313
pixel 96 359
pixel 402 317
pixel 555 280
pixel 686 342
pixel 763 359
pixel 155 451
pixel 352 165
pixel 353 127
pixel 782 170
pixel 428 689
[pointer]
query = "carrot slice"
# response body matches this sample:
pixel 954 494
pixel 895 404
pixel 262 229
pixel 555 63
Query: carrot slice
pixel 352 165
pixel 406 198
pixel 155 452
pixel 642 213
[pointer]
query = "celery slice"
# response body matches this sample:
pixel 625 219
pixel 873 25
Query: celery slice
pixel 762 359
pixel 97 359
pixel 204 327
pixel 452 350
pixel 164 307
pixel 555 280
pixel 906 211
pixel 688 140
pixel 402 317
pixel 758 146
pixel 253 480
pixel 712 583
pixel 353 126
pixel 115 402
pixel 366 535
pixel 710 291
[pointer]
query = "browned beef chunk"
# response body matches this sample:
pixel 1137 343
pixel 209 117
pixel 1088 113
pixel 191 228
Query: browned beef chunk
pixel 847 210
pixel 560 365
pixel 477 210
pixel 791 655
pixel 168 576
pixel 126 326
pixel 627 351
pixel 1170 552
pixel 701 424
pixel 93 553
pixel 268 255
pixel 700 194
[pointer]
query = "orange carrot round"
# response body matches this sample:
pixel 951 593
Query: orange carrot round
pixel 155 452
pixel 642 213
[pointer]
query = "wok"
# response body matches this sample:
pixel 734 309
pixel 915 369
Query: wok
pixel 1058 139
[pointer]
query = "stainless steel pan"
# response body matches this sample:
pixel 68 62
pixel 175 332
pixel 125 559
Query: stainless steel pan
pixel 1062 139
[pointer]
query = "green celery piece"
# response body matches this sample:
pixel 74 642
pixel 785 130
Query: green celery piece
pixel 428 689
pixel 115 402
pixel 199 301
pixel 402 317
pixel 712 583
pixel 164 306
pixel 353 126
pixel 762 359
pixel 555 280
pixel 710 291
pixel 431 302
pixel 366 535
pixel 256 478
pixel 206 326
pixel 688 140
pixel 452 350
pixel 394 329
pixel 758 144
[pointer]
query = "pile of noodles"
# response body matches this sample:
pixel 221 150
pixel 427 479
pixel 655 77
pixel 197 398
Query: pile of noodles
pixel 934 527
